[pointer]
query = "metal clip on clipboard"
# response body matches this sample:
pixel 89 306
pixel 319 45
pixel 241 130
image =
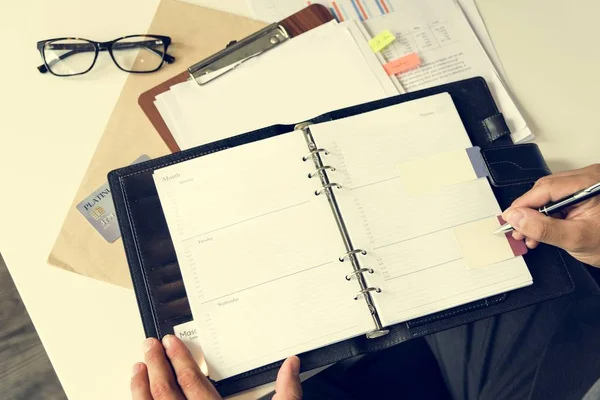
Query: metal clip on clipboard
pixel 237 52
pixel 233 55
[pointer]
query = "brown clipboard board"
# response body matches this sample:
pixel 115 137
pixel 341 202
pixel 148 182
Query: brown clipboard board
pixel 296 24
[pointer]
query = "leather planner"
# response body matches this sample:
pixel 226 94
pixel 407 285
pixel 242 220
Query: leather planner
pixel 157 277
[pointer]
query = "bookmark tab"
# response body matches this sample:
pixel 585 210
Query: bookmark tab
pixel 480 247
pixel 429 174
pixel 518 246
pixel 402 64
pixel 382 40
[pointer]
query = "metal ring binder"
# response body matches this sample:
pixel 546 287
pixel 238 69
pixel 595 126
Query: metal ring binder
pixel 359 271
pixel 327 186
pixel 367 290
pixel 355 251
pixel 316 171
pixel 312 153
pixel 351 253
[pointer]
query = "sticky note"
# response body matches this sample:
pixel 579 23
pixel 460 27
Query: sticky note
pixel 429 174
pixel 402 64
pixel 188 334
pixel 480 247
pixel 381 40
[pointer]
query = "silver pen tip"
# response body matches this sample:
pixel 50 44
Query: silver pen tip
pixel 504 229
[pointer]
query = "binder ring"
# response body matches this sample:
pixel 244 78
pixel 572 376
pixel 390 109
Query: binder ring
pixel 355 251
pixel 325 187
pixel 365 291
pixel 358 272
pixel 312 153
pixel 316 171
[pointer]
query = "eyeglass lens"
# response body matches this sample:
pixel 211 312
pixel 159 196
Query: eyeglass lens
pixel 69 56
pixel 139 53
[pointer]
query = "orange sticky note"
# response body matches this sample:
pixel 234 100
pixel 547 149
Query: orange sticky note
pixel 402 64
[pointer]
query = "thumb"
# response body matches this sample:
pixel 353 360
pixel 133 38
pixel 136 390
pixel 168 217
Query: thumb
pixel 288 385
pixel 566 234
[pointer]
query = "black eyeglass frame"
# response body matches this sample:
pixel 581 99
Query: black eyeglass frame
pixel 105 46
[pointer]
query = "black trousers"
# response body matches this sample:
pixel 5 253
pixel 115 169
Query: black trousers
pixel 549 350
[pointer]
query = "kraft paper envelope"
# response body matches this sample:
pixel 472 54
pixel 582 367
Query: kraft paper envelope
pixel 196 32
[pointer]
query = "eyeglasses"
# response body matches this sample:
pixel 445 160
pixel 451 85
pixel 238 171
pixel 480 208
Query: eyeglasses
pixel 75 56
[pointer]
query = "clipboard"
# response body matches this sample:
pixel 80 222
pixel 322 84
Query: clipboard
pixel 234 54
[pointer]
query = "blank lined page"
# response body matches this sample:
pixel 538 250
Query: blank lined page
pixel 409 235
pixel 258 253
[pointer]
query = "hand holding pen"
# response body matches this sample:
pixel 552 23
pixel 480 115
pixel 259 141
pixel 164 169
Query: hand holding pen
pixel 579 231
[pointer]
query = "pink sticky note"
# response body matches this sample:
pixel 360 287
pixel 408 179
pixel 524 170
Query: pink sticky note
pixel 402 64
pixel 518 247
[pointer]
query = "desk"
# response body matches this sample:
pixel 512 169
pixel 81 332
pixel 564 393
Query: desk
pixel 91 330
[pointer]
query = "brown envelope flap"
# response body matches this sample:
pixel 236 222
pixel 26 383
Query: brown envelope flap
pixel 197 32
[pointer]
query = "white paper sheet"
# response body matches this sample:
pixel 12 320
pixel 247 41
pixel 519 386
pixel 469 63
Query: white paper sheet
pixel 469 8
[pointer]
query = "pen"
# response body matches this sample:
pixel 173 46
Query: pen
pixel 557 206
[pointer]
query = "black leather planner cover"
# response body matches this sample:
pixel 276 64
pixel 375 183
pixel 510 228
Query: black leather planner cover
pixel 157 280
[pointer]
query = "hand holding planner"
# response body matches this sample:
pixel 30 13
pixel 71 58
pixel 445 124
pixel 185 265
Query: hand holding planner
pixel 170 371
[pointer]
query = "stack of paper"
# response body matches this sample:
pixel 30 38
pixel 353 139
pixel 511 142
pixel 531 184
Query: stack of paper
pixel 332 67
pixel 450 46
pixel 327 68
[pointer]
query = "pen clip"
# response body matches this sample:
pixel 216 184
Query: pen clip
pixel 592 188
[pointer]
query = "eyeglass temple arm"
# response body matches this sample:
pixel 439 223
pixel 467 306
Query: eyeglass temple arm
pixel 147 45
pixel 84 47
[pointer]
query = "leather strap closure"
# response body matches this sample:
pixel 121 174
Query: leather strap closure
pixel 515 164
pixel 495 127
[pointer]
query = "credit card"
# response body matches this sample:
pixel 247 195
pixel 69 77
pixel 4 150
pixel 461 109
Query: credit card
pixel 98 208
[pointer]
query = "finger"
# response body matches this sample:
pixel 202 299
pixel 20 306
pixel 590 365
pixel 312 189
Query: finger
pixel 552 189
pixel 162 381
pixel 190 378
pixel 140 384
pixel 589 170
pixel 570 235
pixel 518 235
pixel 531 243
pixel 288 386
pixel 562 174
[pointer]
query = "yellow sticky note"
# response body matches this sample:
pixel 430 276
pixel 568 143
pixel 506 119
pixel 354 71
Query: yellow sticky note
pixel 382 40
pixel 402 64
pixel 479 246
pixel 429 174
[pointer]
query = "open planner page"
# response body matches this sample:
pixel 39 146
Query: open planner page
pixel 258 254
pixel 406 226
